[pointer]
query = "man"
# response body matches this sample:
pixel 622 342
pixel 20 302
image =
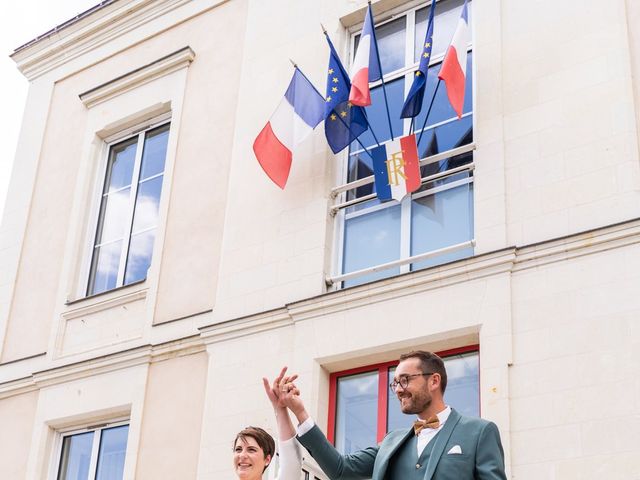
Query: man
pixel 443 445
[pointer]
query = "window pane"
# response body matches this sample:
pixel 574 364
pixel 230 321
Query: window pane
pixel 444 165
pixel 395 418
pixel 113 446
pixel 104 268
pixel 120 168
pixel 113 216
pixel 377 115
pixel 391 44
pixel 442 219
pixel 76 457
pixel 139 259
pixel 445 137
pixel 463 383
pixel 371 239
pixel 155 152
pixel 447 15
pixel 119 227
pixel 147 202
pixel 360 166
pixel 357 412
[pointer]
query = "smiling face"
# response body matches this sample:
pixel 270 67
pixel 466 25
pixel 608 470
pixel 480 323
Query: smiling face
pixel 422 393
pixel 249 460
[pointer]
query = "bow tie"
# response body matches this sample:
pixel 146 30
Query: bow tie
pixel 431 422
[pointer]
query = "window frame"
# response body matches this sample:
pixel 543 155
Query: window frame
pixel 61 434
pixel 137 130
pixel 383 387
pixel 339 193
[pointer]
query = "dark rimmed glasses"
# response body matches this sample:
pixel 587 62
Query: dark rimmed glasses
pixel 403 381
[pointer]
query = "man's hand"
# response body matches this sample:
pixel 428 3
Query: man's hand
pixel 281 385
pixel 290 397
pixel 283 393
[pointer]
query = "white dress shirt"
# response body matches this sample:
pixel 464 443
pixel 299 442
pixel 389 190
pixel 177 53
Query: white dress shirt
pixel 427 434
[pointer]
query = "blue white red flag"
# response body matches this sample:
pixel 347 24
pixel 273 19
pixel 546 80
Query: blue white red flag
pixel 344 122
pixel 413 103
pixel 298 113
pixel 396 168
pixel 366 64
pixel 454 65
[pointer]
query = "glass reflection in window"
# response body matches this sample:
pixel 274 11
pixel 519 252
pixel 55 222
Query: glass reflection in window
pixel 356 412
pixel 129 211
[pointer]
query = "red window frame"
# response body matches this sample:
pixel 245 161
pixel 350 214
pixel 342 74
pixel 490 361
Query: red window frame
pixel 383 386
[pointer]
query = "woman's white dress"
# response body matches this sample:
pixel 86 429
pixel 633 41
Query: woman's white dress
pixel 290 460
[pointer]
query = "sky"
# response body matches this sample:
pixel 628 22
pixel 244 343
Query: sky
pixel 20 22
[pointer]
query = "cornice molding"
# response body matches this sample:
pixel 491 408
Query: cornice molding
pixel 578 245
pixel 67 372
pixel 407 284
pixel 159 68
pixel 242 327
pixel 97 29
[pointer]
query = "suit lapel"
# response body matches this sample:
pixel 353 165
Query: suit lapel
pixel 441 441
pixel 386 452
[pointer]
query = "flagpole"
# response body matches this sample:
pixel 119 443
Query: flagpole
pixel 384 88
pixel 428 112
pixel 337 115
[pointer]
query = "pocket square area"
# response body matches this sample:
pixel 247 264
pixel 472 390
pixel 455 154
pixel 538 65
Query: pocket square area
pixel 455 450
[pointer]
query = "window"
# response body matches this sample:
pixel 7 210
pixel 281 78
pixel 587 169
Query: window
pixel 128 216
pixel 435 224
pixel 362 407
pixel 93 454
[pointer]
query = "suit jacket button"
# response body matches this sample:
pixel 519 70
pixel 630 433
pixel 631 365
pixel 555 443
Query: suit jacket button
pixel 417 465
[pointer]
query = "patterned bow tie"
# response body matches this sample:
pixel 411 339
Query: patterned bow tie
pixel 431 422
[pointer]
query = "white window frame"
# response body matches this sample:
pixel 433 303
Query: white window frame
pixel 339 193
pixel 138 130
pixel 95 447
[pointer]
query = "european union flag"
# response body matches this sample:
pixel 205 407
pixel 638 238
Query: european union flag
pixel 343 122
pixel 413 103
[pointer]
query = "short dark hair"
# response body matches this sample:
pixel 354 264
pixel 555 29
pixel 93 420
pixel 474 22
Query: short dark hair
pixel 262 438
pixel 431 363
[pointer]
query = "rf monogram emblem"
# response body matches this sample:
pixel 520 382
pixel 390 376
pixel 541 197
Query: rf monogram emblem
pixel 395 168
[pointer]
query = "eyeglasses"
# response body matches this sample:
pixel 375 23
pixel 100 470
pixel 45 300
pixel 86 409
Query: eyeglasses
pixel 403 381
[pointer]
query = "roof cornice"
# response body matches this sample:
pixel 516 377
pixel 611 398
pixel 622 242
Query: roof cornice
pixel 94 30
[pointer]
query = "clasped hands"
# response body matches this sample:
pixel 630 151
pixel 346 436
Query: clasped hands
pixel 283 392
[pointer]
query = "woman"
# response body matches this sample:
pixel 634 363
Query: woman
pixel 253 448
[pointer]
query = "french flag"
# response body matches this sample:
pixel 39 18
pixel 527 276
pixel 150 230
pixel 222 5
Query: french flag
pixel 366 64
pixel 298 113
pixel 396 168
pixel 454 65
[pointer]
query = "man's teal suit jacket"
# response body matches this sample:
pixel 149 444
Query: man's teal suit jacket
pixel 482 457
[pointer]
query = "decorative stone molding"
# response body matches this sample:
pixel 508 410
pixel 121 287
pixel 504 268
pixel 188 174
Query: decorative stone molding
pixel 100 28
pixel 65 372
pixel 161 67
pixel 94 305
pixel 250 325
pixel 578 245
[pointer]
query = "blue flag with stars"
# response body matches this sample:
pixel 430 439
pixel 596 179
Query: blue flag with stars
pixel 343 122
pixel 413 103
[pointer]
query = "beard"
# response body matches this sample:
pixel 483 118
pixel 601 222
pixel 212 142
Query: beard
pixel 414 403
